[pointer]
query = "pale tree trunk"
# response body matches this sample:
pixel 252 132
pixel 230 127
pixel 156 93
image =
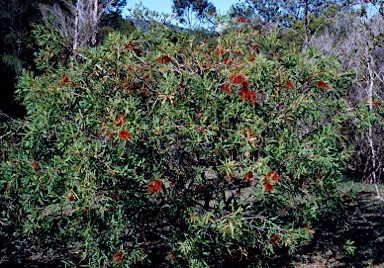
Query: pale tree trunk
pixel 306 26
pixel 95 22
pixel 76 29
pixel 370 94
pixel 82 25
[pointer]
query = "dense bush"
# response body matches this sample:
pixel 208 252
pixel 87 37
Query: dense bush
pixel 157 148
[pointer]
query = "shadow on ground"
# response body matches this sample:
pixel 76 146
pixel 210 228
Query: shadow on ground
pixel 361 221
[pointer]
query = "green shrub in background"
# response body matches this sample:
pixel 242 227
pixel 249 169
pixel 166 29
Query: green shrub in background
pixel 155 148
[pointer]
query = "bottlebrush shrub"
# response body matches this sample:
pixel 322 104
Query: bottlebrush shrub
pixel 186 160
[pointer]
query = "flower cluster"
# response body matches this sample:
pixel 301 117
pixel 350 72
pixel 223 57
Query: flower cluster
pixel 227 88
pixel 289 84
pixel 118 257
pixel 236 78
pixel 163 59
pixel 268 187
pixel 227 61
pixel 248 176
pixel 125 135
pixel 241 19
pixel 321 84
pixel 130 46
pixel 247 94
pixel 219 51
pixel 120 120
pixel 155 186
pixel 64 79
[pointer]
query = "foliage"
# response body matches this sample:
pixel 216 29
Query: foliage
pixel 157 148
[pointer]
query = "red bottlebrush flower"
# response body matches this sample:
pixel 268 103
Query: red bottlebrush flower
pixel 248 176
pixel 166 59
pixel 120 120
pixel 118 257
pixel 241 19
pixel 35 164
pixel 159 60
pixel 273 175
pixel 64 79
pixel 321 84
pixel 236 78
pixel 227 61
pixel 219 51
pixel 163 59
pixel 227 88
pixel 130 46
pixel 289 84
pixel 146 76
pixel 212 219
pixel 245 84
pixel 125 135
pixel 85 210
pixel 155 186
pixel 274 239
pixel 267 185
pixel 376 103
pixel 71 197
pixel 145 92
pixel 252 57
pixel 244 94
pixel 252 96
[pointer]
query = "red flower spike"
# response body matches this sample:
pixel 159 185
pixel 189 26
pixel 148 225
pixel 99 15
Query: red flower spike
pixel 35 164
pixel 273 175
pixel 376 103
pixel 241 19
pixel 118 257
pixel 164 59
pixel 125 135
pixel 244 94
pixel 289 84
pixel 120 120
pixel 321 84
pixel 252 57
pixel 155 186
pixel 268 187
pixel 71 197
pixel 219 51
pixel 227 61
pixel 274 239
pixel 64 79
pixel 245 84
pixel 252 96
pixel 227 88
pixel 85 210
pixel 236 78
pixel 248 176
pixel 130 46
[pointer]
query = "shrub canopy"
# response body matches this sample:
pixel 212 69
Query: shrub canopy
pixel 157 147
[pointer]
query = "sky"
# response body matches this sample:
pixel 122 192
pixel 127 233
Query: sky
pixel 222 6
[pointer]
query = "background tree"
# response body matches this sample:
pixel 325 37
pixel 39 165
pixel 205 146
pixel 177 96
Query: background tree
pixel 287 12
pixel 193 13
pixel 79 21
pixel 16 48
